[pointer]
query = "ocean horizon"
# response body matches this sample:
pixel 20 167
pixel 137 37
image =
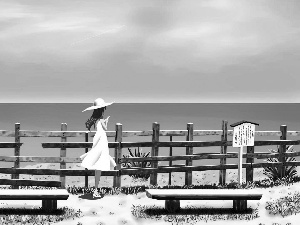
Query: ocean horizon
pixel 140 116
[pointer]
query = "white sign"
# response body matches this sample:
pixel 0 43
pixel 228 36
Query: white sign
pixel 243 135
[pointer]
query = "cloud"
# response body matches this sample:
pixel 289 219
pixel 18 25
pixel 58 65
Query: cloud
pixel 152 19
pixel 199 43
pixel 175 35
pixel 227 33
pixel 113 30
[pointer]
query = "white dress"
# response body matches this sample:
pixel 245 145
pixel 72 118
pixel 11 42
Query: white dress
pixel 98 157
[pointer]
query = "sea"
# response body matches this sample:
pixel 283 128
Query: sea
pixel 139 117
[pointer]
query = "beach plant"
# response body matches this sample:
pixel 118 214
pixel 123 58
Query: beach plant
pixel 37 215
pixel 273 173
pixel 107 190
pixel 144 164
pixel 284 206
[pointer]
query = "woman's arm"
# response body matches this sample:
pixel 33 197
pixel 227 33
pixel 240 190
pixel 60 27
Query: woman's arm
pixel 104 123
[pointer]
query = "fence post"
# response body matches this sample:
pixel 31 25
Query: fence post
pixel 170 162
pixel 189 151
pixel 249 171
pixel 63 153
pixel 222 174
pixel 17 153
pixel 118 154
pixel 154 151
pixel 86 150
pixel 282 149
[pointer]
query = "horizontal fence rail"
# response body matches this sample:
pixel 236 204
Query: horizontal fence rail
pixel 9 144
pixel 207 156
pixel 165 144
pixel 196 156
pixel 65 172
pixel 24 182
pixel 201 168
pixel 44 159
pixel 32 133
pixel 118 145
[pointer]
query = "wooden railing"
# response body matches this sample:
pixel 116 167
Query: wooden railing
pixel 155 144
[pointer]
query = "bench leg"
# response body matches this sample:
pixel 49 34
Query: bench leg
pixel 172 205
pixel 240 205
pixel 49 205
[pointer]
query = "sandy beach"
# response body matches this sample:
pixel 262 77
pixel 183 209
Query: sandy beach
pixel 117 209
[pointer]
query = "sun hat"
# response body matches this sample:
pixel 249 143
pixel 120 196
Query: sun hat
pixel 98 103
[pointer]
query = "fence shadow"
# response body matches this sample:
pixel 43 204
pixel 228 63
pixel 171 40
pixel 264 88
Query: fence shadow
pixel 26 211
pixel 195 211
pixel 90 196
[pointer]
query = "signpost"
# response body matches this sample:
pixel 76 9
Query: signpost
pixel 243 135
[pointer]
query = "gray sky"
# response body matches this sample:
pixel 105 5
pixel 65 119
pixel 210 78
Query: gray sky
pixel 150 51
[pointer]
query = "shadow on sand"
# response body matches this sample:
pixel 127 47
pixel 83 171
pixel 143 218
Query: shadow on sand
pixel 26 211
pixel 195 211
pixel 90 196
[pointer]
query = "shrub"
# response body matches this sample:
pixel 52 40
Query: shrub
pixel 273 173
pixel 107 190
pixel 284 206
pixel 144 164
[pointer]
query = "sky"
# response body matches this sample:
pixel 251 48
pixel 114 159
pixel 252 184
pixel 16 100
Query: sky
pixel 133 51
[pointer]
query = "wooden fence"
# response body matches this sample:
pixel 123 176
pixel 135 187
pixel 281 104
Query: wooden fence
pixel 155 144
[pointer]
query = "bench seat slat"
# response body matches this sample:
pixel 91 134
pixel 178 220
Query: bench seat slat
pixel 203 194
pixel 33 194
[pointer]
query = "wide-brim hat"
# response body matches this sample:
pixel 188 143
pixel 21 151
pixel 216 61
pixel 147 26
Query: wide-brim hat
pixel 98 103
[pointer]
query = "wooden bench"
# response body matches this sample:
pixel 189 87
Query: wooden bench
pixel 49 197
pixel 172 197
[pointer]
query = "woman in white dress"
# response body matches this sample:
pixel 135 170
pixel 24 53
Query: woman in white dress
pixel 98 157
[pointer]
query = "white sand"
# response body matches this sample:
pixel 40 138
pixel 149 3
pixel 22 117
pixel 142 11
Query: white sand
pixel 116 209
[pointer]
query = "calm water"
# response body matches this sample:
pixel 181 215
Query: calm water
pixel 48 117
